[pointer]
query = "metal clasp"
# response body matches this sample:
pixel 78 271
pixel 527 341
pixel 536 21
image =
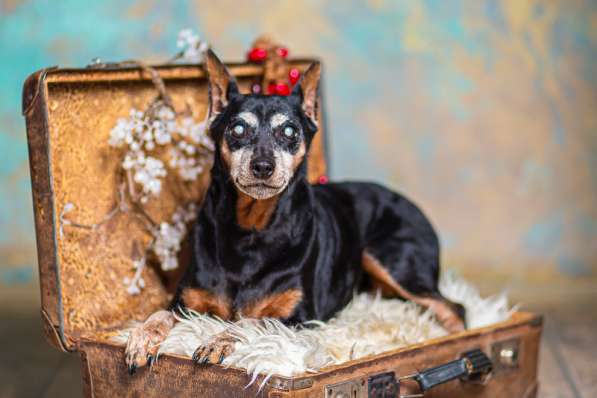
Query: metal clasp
pixel 381 385
pixel 356 388
pixel 97 63
pixel 506 354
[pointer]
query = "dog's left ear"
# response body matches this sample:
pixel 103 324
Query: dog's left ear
pixel 222 86
pixel 307 90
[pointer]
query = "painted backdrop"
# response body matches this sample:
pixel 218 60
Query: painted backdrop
pixel 484 112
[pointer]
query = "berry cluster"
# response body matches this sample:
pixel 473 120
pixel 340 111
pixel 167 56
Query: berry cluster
pixel 260 55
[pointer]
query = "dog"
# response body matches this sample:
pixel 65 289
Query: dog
pixel 267 244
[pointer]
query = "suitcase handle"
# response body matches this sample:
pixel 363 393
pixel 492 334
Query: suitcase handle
pixel 471 366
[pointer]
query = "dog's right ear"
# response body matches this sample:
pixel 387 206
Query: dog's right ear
pixel 222 86
pixel 307 90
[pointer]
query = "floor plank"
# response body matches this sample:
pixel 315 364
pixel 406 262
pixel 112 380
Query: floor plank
pixel 28 364
pixel 67 381
pixel 576 335
pixel 552 381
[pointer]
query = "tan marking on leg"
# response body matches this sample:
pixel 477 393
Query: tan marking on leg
pixel 254 213
pixel 389 287
pixel 277 305
pixel 206 302
pixel 144 340
pixel 382 278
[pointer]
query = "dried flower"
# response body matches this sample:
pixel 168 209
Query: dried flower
pixel 137 283
pixel 168 237
pixel 191 45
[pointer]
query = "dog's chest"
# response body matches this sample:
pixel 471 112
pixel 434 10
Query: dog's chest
pixel 247 303
pixel 249 274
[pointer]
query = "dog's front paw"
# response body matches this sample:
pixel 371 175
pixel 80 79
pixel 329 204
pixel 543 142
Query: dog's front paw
pixel 139 351
pixel 144 340
pixel 215 350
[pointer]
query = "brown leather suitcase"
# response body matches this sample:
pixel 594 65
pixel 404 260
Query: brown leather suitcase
pixel 69 114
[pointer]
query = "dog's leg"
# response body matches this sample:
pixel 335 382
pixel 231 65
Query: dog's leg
pixel 144 340
pixel 220 345
pixel 279 305
pixel 450 315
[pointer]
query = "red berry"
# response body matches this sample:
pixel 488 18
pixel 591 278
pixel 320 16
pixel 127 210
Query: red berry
pixel 257 54
pixel 282 52
pixel 323 179
pixel 282 89
pixel 294 75
pixel 271 88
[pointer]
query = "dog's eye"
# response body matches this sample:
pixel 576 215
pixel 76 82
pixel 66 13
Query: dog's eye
pixel 289 132
pixel 238 130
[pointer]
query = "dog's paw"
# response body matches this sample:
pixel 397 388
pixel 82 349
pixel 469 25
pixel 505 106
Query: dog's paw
pixel 139 351
pixel 215 350
pixel 144 340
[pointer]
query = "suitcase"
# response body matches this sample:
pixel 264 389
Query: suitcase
pixel 69 114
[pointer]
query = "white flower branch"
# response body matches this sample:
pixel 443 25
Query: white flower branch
pixel 154 143
pixel 165 245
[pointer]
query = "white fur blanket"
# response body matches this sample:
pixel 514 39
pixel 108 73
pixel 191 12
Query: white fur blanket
pixel 369 325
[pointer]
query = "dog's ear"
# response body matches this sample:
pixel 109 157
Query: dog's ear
pixel 222 86
pixel 307 90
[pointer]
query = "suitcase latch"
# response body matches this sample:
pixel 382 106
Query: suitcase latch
pixel 356 388
pixel 383 385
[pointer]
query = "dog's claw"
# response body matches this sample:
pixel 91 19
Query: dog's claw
pixel 132 369
pixel 214 351
pixel 149 359
pixel 198 355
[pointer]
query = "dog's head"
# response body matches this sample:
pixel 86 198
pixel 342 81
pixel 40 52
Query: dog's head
pixel 261 140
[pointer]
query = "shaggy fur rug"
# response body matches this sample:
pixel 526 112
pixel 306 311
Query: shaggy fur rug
pixel 369 325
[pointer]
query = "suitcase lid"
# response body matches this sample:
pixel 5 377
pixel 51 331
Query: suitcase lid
pixel 70 114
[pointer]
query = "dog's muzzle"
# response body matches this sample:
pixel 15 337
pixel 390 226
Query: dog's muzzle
pixel 262 167
pixel 260 176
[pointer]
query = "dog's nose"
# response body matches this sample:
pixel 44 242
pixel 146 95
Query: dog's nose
pixel 262 168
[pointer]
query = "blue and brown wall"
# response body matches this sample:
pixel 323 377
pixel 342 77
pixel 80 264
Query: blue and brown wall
pixel 484 112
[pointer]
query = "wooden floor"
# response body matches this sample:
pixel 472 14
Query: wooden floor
pixel 29 367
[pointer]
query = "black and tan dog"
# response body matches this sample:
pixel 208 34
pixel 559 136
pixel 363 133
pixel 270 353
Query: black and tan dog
pixel 269 244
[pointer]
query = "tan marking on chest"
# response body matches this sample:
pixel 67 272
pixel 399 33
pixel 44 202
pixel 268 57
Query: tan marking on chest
pixel 277 305
pixel 206 302
pixel 252 213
